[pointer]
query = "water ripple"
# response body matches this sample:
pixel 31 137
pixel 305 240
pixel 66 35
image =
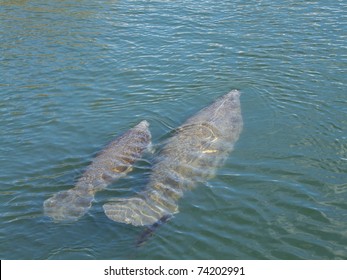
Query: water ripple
pixel 76 74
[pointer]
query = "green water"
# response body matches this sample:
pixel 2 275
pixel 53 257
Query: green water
pixel 75 74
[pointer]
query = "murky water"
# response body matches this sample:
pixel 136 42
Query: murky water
pixel 75 74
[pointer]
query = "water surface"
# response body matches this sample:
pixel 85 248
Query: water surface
pixel 75 74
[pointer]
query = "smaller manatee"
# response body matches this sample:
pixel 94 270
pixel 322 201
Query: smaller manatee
pixel 112 163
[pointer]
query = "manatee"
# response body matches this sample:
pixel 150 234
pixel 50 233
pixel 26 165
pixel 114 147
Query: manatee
pixel 112 163
pixel 191 155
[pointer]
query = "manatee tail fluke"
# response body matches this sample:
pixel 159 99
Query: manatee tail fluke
pixel 137 211
pixel 68 205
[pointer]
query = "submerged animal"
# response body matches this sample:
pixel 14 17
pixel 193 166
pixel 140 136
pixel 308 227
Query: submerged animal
pixel 190 156
pixel 112 163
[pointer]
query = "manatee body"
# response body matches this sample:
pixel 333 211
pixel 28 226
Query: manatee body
pixel 192 155
pixel 112 163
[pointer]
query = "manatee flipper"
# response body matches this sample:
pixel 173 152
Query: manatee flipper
pixel 149 231
pixel 112 163
pixel 137 211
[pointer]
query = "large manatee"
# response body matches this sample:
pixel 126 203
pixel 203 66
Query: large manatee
pixel 190 156
pixel 112 163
